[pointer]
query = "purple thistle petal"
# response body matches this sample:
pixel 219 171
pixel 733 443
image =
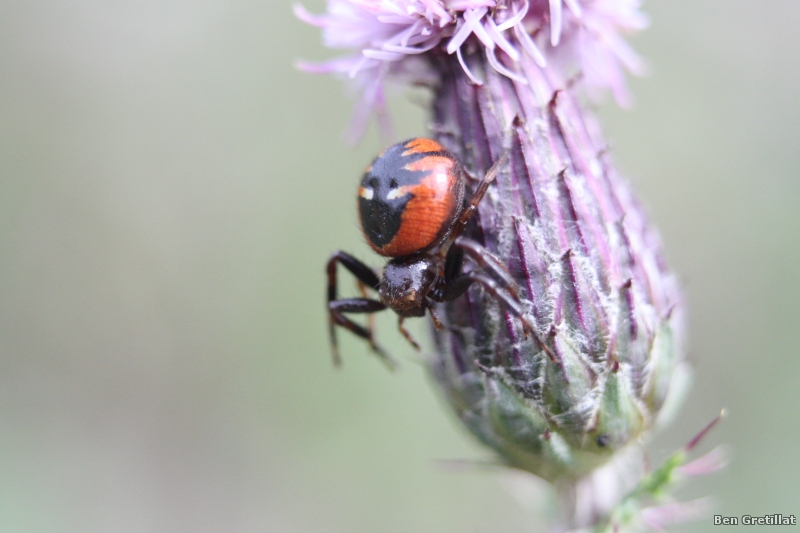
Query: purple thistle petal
pixel 555 22
pixel 575 7
pixel 409 33
pixel 383 55
pixel 315 68
pixel 398 19
pixel 529 45
pixel 409 50
pixel 433 7
pixel 495 63
pixel 473 18
pixel 629 59
pixel 472 24
pixel 467 71
pixel 462 32
pixel 341 65
pixel 309 18
pixel 464 5
pixel 713 461
pixel 662 516
pixel 586 34
pixel 516 18
pixel 357 66
pixel 502 42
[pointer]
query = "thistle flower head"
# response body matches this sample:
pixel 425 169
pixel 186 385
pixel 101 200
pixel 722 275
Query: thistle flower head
pixel 592 280
pixel 387 38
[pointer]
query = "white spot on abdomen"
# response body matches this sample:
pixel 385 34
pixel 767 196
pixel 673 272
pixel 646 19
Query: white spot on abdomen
pixel 394 194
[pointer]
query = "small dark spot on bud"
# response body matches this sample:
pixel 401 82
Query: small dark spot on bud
pixel 603 440
pixel 546 434
pixel 553 100
pixel 615 368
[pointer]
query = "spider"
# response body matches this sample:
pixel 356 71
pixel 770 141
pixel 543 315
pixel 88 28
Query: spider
pixel 412 209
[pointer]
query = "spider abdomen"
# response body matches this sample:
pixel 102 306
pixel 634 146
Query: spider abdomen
pixel 409 197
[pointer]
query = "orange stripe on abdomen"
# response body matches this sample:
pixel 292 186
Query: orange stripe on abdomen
pixel 429 213
pixel 422 146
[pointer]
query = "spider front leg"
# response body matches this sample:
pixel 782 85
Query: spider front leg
pixel 488 263
pixel 461 223
pixel 362 289
pixel 498 283
pixel 337 308
pixel 406 334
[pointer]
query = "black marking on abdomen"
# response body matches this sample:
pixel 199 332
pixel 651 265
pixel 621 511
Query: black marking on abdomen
pixel 381 217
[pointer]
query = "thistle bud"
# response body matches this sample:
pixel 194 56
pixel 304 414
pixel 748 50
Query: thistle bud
pixel 590 270
pixel 507 76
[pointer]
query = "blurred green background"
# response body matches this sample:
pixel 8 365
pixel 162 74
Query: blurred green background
pixel 170 188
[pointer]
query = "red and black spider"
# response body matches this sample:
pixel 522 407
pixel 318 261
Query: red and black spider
pixel 412 209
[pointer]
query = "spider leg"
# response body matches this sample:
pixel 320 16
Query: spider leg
pixel 472 206
pixel 488 263
pixel 366 278
pixel 455 286
pixel 406 334
pixel 336 310
pixel 362 272
pixel 437 323
pixel 453 263
pixel 504 296
pixel 371 316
